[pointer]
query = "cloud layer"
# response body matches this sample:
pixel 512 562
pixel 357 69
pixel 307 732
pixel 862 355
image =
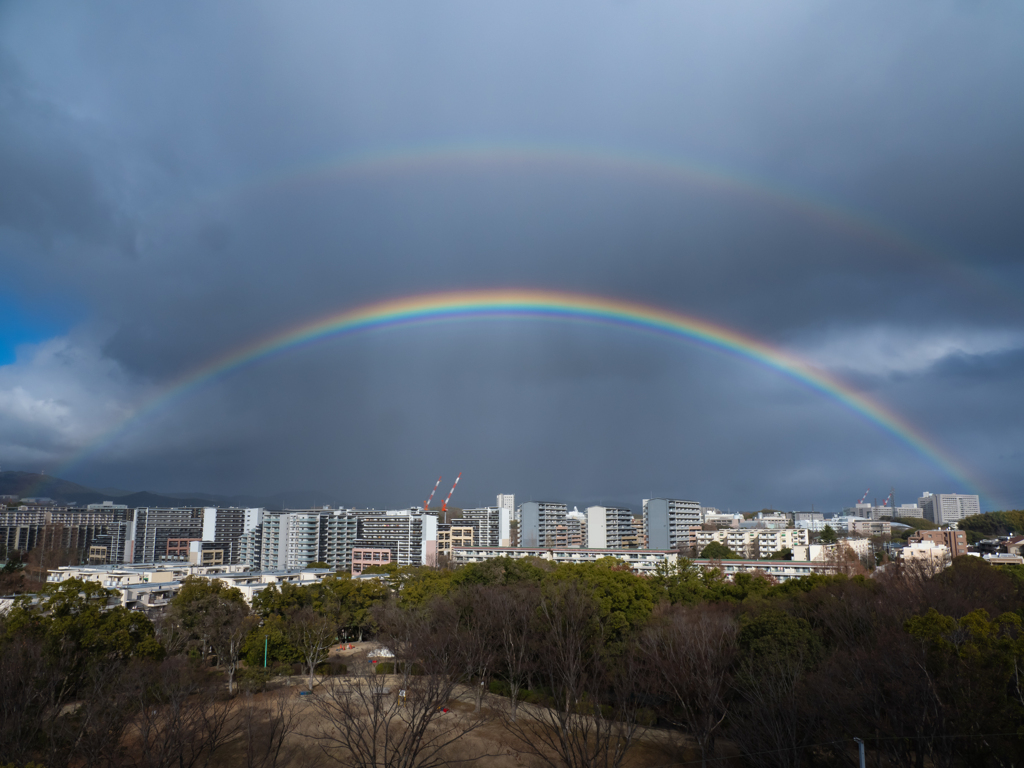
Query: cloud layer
pixel 167 176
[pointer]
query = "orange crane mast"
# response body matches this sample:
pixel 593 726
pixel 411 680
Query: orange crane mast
pixel 426 504
pixel 444 507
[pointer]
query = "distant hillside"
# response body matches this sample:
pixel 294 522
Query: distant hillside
pixel 30 484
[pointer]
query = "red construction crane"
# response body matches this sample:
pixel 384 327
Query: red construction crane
pixel 444 507
pixel 426 504
pixel 864 496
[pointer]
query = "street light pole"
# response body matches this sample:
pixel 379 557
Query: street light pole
pixel 860 750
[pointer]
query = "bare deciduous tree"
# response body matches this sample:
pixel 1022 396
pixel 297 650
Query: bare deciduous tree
pixel 181 721
pixel 225 625
pixel 512 611
pixel 477 638
pixel 266 727
pixel 373 720
pixel 689 654
pixel 313 635
pixel 779 719
pixel 591 718
pixel 25 687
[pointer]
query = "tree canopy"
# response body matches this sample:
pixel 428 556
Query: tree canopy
pixel 718 551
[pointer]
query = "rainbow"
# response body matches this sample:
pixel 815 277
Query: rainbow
pixel 538 304
pixel 651 167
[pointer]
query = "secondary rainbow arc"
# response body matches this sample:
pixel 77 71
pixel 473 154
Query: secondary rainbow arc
pixel 460 305
pixel 380 162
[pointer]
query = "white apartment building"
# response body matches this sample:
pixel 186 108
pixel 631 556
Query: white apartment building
pixel 925 556
pixel 870 527
pixel 608 527
pixel 492 524
pixel 839 524
pixel 861 546
pixel 750 542
pixel 645 561
pixel 667 522
pixel 507 502
pixel 742 542
pixel 225 526
pixel 946 508
pixel 411 534
pixel 295 538
pixel 906 510
pixel 769 541
pixel 151 587
pixel 825 553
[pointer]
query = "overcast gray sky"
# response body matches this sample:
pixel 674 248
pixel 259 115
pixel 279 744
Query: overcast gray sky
pixel 844 181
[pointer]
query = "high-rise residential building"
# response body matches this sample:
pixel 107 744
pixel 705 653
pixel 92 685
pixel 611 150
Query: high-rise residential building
pixel 225 526
pixel 667 522
pixel 300 539
pixel 409 533
pixel 638 539
pixel 945 508
pixel 155 526
pixel 294 538
pixel 338 533
pixel 490 523
pixel 571 533
pixel 507 501
pixel 91 533
pixel 538 521
pixel 250 548
pixel 609 527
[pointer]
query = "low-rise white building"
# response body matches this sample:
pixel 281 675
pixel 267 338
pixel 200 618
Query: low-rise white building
pixel 152 586
pixel 742 542
pixel 925 556
pixel 822 553
pixel 750 542
pixel 645 561
pixel 839 524
pixel 770 541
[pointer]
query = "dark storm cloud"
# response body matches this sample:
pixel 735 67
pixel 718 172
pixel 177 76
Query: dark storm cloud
pixel 165 160
pixel 49 186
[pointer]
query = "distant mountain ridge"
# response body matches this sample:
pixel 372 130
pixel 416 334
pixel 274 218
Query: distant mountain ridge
pixel 33 485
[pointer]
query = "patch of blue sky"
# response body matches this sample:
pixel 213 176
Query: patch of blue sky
pixel 23 323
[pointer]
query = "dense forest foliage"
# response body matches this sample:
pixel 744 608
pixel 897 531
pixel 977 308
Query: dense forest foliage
pixel 575 663
pixel 994 524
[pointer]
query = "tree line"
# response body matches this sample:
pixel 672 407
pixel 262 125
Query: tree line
pixel 993 524
pixel 563 665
